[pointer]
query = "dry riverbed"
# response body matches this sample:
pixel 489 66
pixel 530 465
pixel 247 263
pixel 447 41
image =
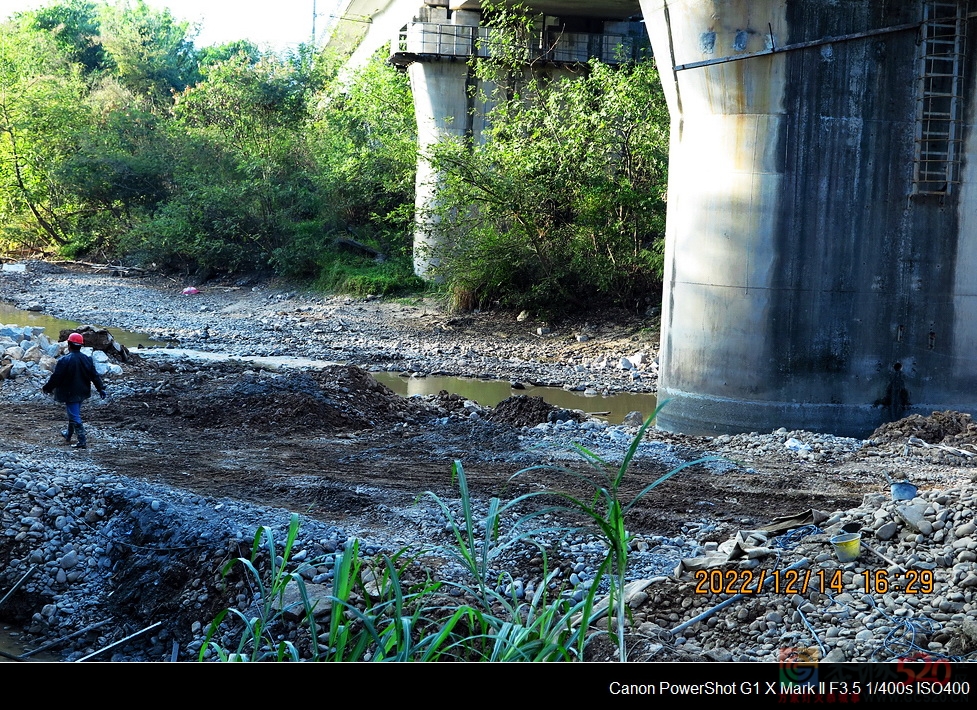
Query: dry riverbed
pixel 187 458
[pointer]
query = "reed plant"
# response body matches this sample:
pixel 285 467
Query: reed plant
pixel 257 640
pixel 393 620
pixel 543 628
pixel 604 512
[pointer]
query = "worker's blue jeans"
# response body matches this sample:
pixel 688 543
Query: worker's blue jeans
pixel 74 412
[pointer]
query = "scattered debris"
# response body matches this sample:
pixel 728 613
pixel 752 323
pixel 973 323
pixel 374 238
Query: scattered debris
pixel 916 594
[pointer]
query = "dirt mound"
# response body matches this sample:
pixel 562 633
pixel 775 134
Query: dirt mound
pixel 449 402
pixel 337 398
pixel 522 410
pixel 948 428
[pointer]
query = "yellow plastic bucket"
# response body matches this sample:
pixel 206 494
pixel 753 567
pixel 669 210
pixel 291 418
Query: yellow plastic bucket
pixel 847 546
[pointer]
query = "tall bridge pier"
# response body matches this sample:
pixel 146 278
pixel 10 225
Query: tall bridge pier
pixel 821 250
pixel 436 46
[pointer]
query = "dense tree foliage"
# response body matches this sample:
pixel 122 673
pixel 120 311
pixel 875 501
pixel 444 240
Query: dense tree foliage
pixel 119 138
pixel 40 108
pixel 561 202
pixel 74 27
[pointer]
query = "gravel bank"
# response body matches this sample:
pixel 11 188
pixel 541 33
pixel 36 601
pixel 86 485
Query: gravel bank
pixel 129 552
pixel 263 319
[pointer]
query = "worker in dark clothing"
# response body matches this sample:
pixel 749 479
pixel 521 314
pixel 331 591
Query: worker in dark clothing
pixel 71 383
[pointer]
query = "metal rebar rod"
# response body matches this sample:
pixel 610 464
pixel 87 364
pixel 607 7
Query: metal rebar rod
pixel 120 642
pixel 796 46
pixel 27 575
pixel 46 646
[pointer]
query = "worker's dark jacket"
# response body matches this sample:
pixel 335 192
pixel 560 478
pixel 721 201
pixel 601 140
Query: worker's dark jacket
pixel 72 378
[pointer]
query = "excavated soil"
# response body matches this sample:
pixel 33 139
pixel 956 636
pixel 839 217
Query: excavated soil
pixel 335 442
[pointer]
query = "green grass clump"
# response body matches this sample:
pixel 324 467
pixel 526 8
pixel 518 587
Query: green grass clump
pixel 605 513
pixel 374 615
pixel 364 277
pixel 544 628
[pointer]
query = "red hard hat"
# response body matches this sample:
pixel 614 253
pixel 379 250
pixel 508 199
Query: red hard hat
pixel 76 339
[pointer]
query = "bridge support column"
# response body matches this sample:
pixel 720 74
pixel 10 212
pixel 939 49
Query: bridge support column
pixel 821 243
pixel 442 85
pixel 437 47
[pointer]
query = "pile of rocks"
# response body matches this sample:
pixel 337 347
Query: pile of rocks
pixel 28 353
pixel 912 590
pixel 789 446
pixel 98 553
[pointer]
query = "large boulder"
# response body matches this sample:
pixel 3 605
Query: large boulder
pixel 99 339
pixel 33 354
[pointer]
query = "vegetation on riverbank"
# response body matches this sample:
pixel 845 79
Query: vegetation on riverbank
pixel 120 139
pixel 562 203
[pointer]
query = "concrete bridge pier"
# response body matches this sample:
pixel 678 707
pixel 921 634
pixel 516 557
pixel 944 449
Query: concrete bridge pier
pixel 437 45
pixel 821 244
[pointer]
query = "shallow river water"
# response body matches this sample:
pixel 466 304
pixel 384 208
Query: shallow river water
pixel 488 393
pixel 52 326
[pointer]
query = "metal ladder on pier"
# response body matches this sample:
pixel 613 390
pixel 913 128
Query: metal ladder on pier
pixel 939 123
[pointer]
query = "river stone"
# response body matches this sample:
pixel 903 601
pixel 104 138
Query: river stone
pixel 68 561
pixel 963 543
pixel 634 419
pixel 886 531
pixel 292 606
pixel 720 655
pixel 914 517
pixel 835 655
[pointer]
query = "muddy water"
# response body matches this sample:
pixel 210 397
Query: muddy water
pixel 486 392
pixel 490 392
pixel 10 644
pixel 52 326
